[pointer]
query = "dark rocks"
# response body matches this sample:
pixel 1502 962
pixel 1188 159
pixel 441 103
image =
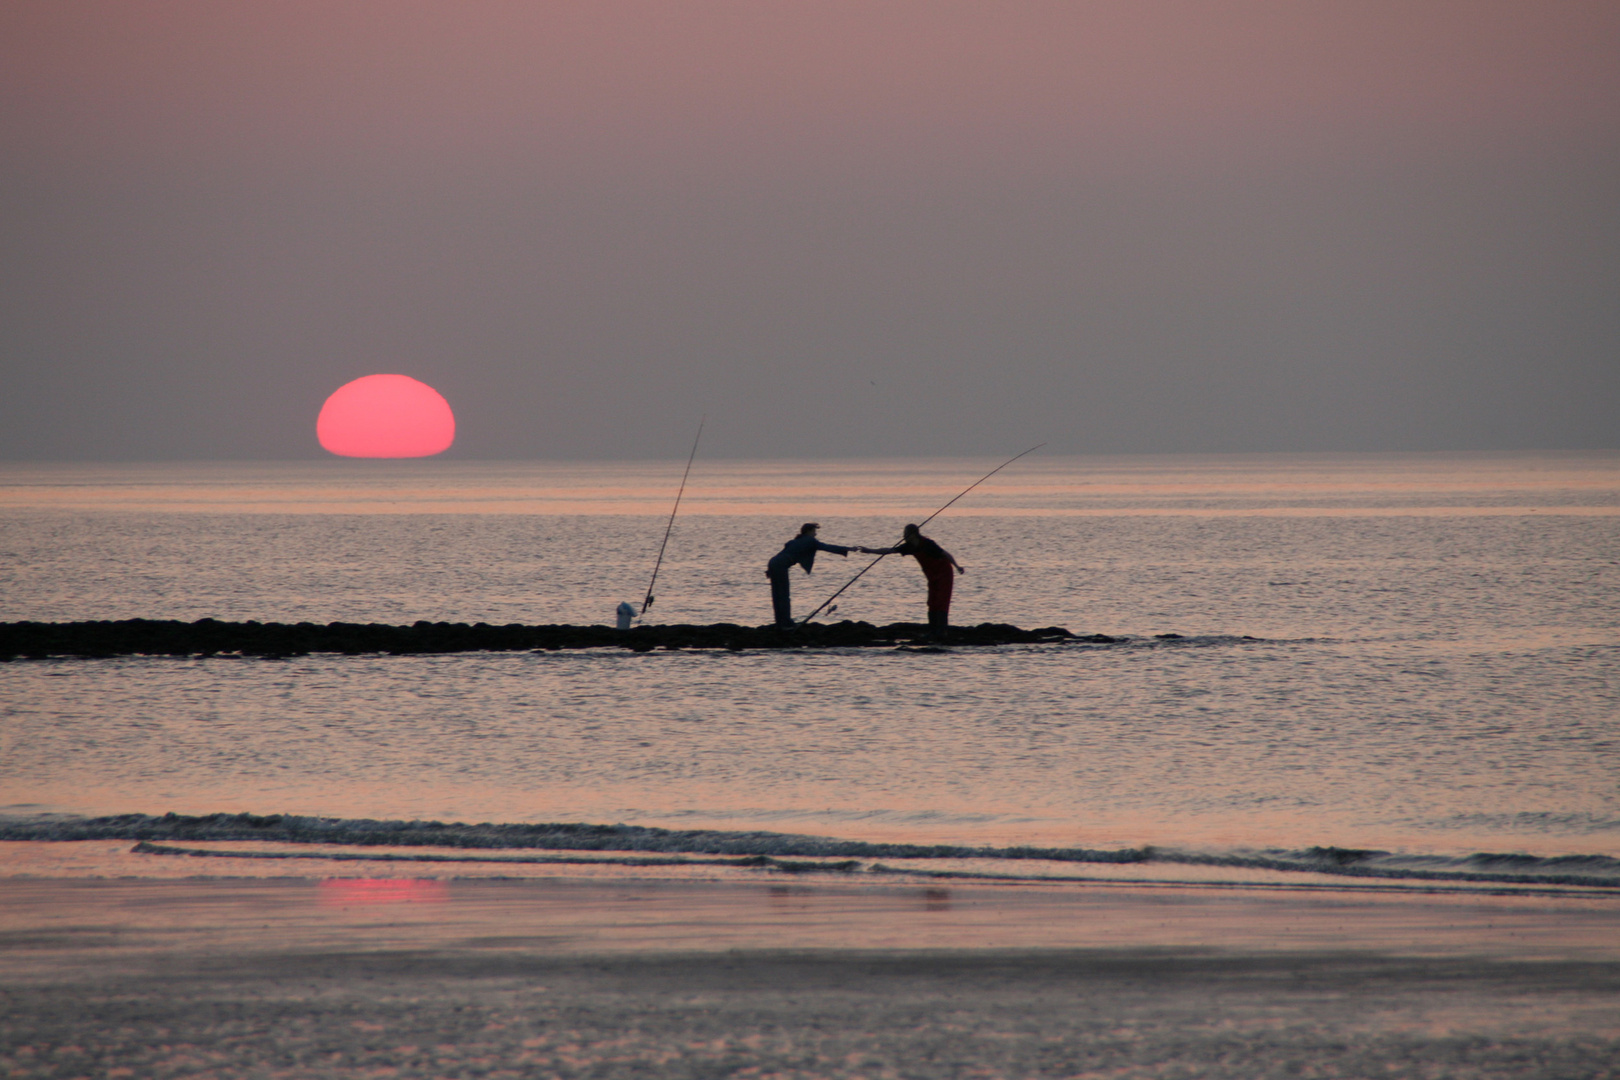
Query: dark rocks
pixel 210 637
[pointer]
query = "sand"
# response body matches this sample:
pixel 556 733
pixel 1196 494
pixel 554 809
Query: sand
pixel 594 978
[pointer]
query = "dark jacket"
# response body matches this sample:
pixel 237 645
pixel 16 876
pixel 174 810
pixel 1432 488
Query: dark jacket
pixel 802 550
pixel 920 549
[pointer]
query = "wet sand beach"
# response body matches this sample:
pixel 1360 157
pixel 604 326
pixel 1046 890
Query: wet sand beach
pixel 414 977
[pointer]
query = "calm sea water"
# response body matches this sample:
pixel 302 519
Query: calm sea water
pixel 1411 653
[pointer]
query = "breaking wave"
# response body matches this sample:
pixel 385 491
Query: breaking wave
pixel 645 845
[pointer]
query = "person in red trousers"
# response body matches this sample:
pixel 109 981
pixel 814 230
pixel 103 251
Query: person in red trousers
pixel 938 566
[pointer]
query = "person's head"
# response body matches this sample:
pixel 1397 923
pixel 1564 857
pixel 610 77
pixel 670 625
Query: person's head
pixel 808 528
pixel 913 531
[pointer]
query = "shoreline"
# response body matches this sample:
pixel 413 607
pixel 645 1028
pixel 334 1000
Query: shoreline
pixel 59 924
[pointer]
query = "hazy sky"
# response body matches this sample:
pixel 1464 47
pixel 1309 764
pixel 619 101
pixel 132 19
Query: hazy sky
pixel 836 228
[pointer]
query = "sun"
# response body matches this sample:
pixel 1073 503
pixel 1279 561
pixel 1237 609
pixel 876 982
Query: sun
pixel 386 416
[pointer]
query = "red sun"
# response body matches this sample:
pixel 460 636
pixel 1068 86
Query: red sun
pixel 386 416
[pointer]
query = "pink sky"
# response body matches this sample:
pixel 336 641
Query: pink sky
pixel 283 80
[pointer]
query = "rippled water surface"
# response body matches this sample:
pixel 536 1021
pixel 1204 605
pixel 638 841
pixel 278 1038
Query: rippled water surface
pixel 1408 653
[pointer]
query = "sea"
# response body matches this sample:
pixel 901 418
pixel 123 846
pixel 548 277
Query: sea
pixel 1406 664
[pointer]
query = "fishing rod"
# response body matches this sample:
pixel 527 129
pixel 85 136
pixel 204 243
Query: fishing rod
pixel 647 601
pixel 925 521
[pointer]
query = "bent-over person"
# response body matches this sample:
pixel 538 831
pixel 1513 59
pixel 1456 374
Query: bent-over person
pixel 801 550
pixel 938 566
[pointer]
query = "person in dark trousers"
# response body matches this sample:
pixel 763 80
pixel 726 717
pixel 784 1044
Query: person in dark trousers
pixel 801 550
pixel 938 566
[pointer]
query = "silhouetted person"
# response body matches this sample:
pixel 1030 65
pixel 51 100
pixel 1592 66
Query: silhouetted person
pixel 801 550
pixel 938 566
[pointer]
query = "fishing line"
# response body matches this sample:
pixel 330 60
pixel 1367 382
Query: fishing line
pixel 925 521
pixel 647 601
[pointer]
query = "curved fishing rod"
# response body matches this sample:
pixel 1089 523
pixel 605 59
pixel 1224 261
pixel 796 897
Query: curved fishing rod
pixel 924 521
pixel 647 601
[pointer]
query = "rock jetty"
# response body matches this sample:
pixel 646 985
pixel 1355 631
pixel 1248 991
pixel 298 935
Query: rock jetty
pixel 210 637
